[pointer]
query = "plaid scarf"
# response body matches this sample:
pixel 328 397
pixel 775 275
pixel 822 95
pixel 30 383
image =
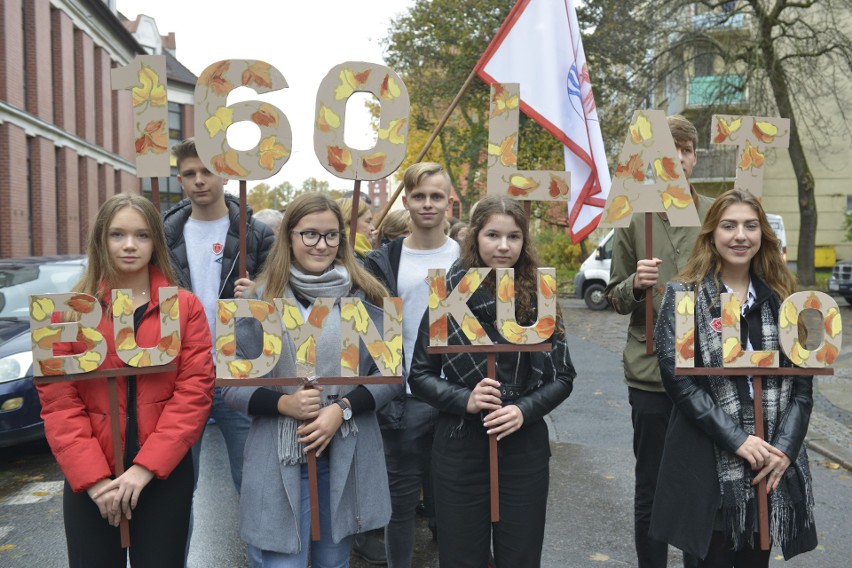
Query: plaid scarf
pixel 791 505
pixel 530 369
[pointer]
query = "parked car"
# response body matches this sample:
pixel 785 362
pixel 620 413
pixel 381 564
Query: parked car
pixel 777 224
pixel 593 275
pixel 841 280
pixel 20 409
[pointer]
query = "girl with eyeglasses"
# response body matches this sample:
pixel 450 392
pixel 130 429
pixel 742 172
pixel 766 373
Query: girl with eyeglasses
pixel 311 259
pixel 706 501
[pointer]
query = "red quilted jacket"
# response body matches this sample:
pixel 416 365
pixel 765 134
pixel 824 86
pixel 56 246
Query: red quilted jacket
pixel 172 408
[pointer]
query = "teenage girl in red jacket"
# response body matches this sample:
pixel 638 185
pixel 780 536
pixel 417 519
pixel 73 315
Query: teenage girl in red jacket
pixel 161 415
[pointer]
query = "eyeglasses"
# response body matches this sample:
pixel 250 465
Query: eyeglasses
pixel 312 238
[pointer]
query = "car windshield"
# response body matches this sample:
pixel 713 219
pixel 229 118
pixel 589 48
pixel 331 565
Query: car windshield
pixel 17 282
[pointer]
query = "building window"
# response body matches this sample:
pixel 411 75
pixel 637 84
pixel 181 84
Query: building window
pixel 175 122
pixel 170 191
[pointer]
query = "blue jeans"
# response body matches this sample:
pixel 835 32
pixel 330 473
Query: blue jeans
pixel 234 426
pixel 324 553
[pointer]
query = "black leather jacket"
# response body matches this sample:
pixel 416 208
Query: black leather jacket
pixel 688 494
pixel 259 239
pixel 451 395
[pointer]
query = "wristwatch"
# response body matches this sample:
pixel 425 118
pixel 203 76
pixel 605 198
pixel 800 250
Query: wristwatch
pixel 347 412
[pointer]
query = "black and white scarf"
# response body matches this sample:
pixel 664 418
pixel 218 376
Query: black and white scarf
pixel 791 506
pixel 469 368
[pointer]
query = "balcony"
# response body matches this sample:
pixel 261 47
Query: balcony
pixel 723 21
pixel 715 164
pixel 716 90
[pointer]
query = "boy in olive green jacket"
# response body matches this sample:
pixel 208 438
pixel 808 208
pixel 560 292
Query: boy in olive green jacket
pixel 631 274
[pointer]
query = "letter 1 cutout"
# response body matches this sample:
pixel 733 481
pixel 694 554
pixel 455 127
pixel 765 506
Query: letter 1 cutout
pixel 125 337
pixel 788 331
pixel 356 326
pixel 226 337
pixel 649 143
pixel 685 330
pixel 507 323
pixel 44 334
pixel 752 135
pixel 503 175
pixel 339 84
pixel 440 306
pixel 733 354
pixel 145 78
pixel 213 116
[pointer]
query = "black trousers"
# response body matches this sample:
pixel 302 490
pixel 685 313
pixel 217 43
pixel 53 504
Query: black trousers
pixel 650 412
pixel 158 530
pixel 462 495
pixel 720 555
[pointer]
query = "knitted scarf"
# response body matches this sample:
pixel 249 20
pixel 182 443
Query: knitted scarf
pixel 334 283
pixel 791 505
pixel 469 368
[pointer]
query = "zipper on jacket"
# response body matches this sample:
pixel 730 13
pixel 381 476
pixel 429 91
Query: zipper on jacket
pixel 228 275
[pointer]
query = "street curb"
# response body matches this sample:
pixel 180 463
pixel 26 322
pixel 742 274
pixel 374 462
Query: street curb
pixel 830 450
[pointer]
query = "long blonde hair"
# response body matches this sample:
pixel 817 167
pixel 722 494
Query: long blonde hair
pixel 276 271
pixel 768 263
pixel 101 273
pixel 345 204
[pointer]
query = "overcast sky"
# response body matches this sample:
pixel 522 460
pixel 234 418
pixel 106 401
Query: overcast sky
pixel 302 39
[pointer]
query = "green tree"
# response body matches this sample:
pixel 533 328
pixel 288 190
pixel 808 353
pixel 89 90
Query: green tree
pixel 313 184
pixel 434 47
pixel 793 62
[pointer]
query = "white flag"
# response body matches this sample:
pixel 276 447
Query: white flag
pixel 539 47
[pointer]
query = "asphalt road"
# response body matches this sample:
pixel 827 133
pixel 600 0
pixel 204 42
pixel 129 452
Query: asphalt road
pixel 591 488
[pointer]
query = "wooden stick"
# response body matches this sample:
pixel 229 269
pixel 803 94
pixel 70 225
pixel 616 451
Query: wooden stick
pixel 752 371
pixel 762 504
pixel 155 192
pixel 377 222
pixel 104 373
pixel 118 454
pixel 649 292
pixel 496 348
pixel 243 223
pixel 353 216
pixel 296 381
pixel 492 451
pixel 313 489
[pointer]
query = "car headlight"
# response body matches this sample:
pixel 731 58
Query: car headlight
pixel 13 367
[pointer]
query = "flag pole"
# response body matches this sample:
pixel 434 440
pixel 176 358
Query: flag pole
pixel 435 132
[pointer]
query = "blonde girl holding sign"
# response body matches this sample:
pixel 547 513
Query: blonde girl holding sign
pixel 161 415
pixel 712 461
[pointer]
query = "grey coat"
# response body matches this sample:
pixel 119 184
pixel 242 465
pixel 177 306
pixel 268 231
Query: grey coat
pixel 271 492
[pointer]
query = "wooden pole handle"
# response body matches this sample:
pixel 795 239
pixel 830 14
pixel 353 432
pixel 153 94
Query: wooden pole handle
pixel 492 452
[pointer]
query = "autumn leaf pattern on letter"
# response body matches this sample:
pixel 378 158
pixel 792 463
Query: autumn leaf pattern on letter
pixel 154 139
pixel 149 91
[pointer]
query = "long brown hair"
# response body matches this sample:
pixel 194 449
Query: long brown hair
pixel 276 271
pixel 527 263
pixel 101 273
pixel 768 263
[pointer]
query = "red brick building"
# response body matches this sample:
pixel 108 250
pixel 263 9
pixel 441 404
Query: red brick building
pixel 66 138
